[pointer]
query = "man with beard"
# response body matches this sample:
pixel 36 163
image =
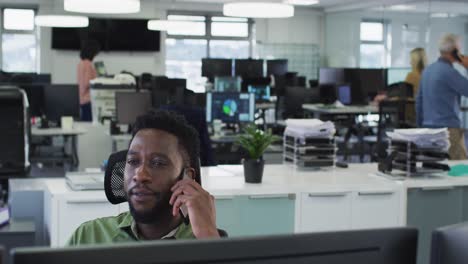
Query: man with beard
pixel 159 180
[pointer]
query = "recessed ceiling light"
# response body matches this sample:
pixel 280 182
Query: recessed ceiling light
pixel 61 21
pixel 258 10
pixel 302 2
pixel 402 7
pixel 102 6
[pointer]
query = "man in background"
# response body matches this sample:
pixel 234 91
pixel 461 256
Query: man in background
pixel 438 98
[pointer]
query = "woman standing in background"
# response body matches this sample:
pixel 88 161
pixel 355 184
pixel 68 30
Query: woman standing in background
pixel 86 73
pixel 418 63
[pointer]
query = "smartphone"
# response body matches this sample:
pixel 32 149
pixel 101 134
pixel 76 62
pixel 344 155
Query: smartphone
pixel 456 55
pixel 183 209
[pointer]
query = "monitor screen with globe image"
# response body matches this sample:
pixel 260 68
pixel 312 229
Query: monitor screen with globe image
pixel 230 107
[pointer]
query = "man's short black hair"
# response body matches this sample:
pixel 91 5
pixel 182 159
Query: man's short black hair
pixel 187 136
pixel 89 49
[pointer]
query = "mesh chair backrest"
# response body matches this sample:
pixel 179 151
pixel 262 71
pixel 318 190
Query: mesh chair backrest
pixel 114 178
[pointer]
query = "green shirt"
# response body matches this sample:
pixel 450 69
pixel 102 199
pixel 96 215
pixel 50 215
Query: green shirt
pixel 116 229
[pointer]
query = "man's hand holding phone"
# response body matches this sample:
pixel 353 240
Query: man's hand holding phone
pixel 199 204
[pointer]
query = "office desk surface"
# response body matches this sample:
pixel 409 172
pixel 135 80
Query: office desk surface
pixel 229 180
pixel 320 108
pixel 58 131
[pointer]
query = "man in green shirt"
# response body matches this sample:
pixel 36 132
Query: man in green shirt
pixel 161 182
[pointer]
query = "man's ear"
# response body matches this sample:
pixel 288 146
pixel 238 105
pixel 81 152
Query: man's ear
pixel 190 172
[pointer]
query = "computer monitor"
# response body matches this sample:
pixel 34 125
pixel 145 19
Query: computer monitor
pixel 35 94
pixel 216 67
pixel 344 93
pixel 262 92
pixel 449 244
pixel 230 107
pixel 295 97
pixel 382 246
pixel 168 91
pixel 100 68
pixel 227 84
pixel 61 100
pixel 277 67
pixel 249 68
pixel 130 105
pixel 328 93
pixel 331 75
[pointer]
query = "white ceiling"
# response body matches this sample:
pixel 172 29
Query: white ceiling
pixel 437 6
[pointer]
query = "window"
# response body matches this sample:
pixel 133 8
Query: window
pixel 229 49
pixel 375 45
pixel 183 60
pixel 197 25
pixel 229 27
pixel 209 36
pixel 19 42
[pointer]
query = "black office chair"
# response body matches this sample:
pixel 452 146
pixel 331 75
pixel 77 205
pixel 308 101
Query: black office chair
pixel 114 180
pixel 393 114
pixel 400 90
pixel 449 244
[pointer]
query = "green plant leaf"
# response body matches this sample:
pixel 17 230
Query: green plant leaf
pixel 256 141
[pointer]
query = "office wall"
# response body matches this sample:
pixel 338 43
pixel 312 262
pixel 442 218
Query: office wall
pixel 305 27
pixel 342 35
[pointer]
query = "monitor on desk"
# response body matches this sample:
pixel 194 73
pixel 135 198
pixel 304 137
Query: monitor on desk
pixel 35 94
pixel 344 93
pixel 382 246
pixel 249 68
pixel 216 67
pixel 230 107
pixel 61 100
pixel 449 244
pixel 262 92
pixel 130 105
pixel 331 75
pixel 168 91
pixel 277 67
pixel 227 84
pixel 328 93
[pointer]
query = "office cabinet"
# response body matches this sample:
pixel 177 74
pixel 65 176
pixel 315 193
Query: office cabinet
pixel 266 214
pixel 64 213
pixel 375 209
pixel 77 211
pixel 430 208
pixel 227 214
pixel 249 215
pixel 325 211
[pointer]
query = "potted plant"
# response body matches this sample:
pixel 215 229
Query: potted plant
pixel 255 141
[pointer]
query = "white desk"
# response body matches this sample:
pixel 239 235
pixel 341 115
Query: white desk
pixel 286 200
pixel 292 201
pixel 57 131
pixel 319 109
pixel 67 134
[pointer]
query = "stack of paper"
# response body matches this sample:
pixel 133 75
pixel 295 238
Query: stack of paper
pixel 423 137
pixel 309 128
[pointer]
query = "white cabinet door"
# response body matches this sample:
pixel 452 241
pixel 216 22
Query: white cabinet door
pixel 325 211
pixel 375 209
pixel 75 211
